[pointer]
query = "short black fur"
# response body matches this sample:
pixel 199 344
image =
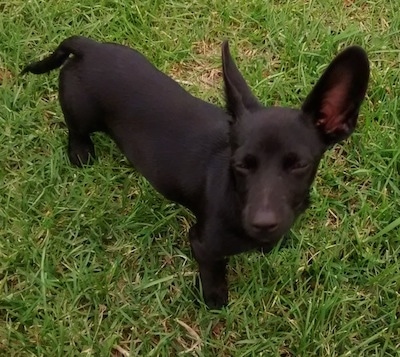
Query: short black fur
pixel 245 173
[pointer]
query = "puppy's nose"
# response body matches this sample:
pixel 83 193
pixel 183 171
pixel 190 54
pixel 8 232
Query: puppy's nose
pixel 266 221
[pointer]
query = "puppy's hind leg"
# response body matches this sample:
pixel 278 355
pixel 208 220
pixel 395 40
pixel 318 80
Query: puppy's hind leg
pixel 80 145
pixel 81 118
pixel 80 148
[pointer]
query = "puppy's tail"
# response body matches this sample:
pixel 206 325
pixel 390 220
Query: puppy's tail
pixel 74 45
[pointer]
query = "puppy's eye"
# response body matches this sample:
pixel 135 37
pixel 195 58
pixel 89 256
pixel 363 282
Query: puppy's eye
pixel 293 163
pixel 248 163
pixel 300 166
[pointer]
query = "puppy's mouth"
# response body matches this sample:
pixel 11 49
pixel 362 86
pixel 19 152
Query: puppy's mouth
pixel 265 236
pixel 267 225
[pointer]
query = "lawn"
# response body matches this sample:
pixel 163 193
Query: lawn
pixel 93 262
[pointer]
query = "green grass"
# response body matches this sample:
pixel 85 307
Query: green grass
pixel 93 262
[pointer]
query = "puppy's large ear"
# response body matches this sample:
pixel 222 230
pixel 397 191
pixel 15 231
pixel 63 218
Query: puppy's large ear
pixel 335 100
pixel 239 98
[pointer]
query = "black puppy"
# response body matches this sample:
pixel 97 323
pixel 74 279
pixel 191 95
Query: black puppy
pixel 245 173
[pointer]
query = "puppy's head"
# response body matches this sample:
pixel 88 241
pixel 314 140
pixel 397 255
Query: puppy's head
pixel 276 151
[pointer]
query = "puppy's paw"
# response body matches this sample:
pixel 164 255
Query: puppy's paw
pixel 216 299
pixel 81 155
pixel 80 159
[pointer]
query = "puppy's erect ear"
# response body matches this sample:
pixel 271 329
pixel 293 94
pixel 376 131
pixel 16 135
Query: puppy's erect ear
pixel 335 100
pixel 239 98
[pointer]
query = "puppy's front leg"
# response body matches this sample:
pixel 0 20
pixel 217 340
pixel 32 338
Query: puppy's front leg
pixel 213 282
pixel 212 272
